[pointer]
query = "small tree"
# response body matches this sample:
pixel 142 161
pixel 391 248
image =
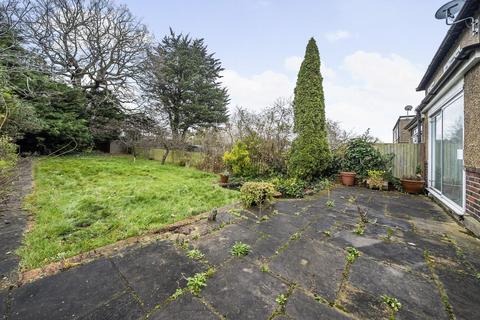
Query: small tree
pixel 310 153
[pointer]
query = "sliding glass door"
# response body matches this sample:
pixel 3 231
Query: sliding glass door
pixel 446 147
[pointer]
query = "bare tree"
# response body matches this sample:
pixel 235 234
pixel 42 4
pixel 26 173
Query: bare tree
pixel 95 45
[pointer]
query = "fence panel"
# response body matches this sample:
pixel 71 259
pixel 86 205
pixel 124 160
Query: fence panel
pixel 407 157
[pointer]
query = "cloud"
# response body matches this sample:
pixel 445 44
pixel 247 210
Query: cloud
pixel 374 94
pixel 258 91
pixel 293 63
pixel 337 35
pixel 367 90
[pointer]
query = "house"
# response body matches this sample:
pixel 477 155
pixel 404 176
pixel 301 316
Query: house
pixel 449 118
pixel 415 130
pixel 400 134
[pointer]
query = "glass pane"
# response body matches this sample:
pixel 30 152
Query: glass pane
pixel 452 182
pixel 437 153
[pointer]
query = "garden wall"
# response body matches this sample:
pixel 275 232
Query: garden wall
pixel 407 157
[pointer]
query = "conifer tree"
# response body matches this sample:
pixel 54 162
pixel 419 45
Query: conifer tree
pixel 310 154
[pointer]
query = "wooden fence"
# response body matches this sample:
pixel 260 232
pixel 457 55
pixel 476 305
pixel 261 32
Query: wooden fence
pixel 407 157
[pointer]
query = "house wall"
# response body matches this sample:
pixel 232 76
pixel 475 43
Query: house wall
pixel 472 142
pixel 466 38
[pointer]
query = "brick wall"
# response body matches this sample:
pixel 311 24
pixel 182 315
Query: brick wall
pixel 473 192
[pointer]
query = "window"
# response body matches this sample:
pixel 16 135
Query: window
pixel 446 146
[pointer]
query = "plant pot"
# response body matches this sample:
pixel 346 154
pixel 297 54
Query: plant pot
pixel 348 178
pixel 413 186
pixel 223 178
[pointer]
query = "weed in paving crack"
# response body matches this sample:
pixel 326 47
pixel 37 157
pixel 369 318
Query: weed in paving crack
pixel 281 300
pixel 360 229
pixel 195 254
pixel 240 249
pixel 393 305
pixel 352 254
pixel 295 236
pixel 265 268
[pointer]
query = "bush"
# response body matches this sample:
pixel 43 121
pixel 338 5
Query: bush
pixel 256 193
pixel 8 159
pixel 290 187
pixel 361 156
pixel 8 153
pixel 238 160
pixel 375 178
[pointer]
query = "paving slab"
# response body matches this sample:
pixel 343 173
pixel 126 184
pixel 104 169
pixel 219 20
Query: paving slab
pixel 123 307
pixel 301 306
pixel 156 271
pixel 362 304
pixel 302 261
pixel 68 294
pixel 278 226
pixel 463 291
pixel 3 305
pixel 241 291
pixel 216 246
pixel 417 293
pixel 184 307
pixel 401 254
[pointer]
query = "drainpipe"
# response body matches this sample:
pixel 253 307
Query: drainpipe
pixel 419 126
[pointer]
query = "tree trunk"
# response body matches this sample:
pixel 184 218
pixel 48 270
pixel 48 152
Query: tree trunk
pixel 165 155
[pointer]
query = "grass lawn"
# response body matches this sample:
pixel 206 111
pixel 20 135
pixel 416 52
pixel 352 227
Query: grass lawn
pixel 84 202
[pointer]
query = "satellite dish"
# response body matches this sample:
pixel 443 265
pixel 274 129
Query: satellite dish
pixel 449 9
pixel 408 108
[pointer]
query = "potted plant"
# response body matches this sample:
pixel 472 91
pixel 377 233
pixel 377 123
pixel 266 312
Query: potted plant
pixel 348 178
pixel 224 176
pixel 413 184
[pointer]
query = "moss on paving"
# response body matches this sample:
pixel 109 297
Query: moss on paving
pixel 83 202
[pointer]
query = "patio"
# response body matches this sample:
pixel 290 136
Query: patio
pixel 410 250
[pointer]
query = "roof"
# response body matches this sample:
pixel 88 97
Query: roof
pixel 451 37
pixel 402 118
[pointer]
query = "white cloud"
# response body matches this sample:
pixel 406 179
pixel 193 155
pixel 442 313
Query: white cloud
pixel 258 91
pixel 379 87
pixel 368 90
pixel 337 35
pixel 293 63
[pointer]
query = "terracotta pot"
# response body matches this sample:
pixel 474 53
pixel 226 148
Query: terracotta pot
pixel 348 178
pixel 413 186
pixel 223 178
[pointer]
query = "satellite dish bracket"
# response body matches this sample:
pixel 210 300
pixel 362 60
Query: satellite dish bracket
pixel 449 20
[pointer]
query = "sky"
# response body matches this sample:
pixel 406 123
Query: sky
pixel 373 52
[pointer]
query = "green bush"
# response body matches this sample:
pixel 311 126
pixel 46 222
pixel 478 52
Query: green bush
pixel 256 193
pixel 361 156
pixel 290 187
pixel 238 159
pixel 8 153
pixel 375 178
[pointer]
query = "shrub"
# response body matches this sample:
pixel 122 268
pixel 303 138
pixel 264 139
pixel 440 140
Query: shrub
pixel 375 178
pixel 8 159
pixel 361 156
pixel 238 159
pixel 256 193
pixel 290 187
pixel 8 153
